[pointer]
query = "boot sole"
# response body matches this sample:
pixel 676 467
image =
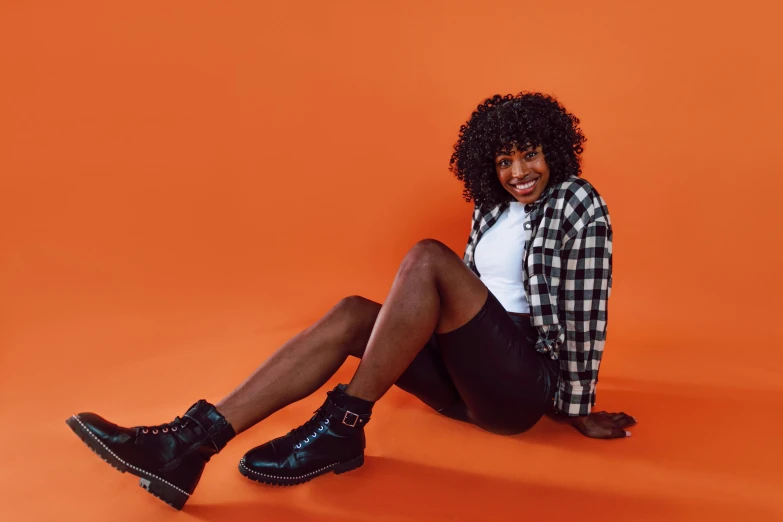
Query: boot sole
pixel 275 480
pixel 160 488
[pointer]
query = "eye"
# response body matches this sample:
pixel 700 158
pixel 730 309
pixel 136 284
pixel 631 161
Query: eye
pixel 530 154
pixel 504 163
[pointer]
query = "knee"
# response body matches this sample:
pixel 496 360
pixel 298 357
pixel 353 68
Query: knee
pixel 356 317
pixel 357 306
pixel 357 313
pixel 427 252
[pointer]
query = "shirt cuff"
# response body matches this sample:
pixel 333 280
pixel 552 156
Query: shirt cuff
pixel 549 339
pixel 574 398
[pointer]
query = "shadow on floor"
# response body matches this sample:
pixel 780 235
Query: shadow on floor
pixel 388 489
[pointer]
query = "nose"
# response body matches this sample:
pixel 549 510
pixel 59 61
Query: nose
pixel 519 169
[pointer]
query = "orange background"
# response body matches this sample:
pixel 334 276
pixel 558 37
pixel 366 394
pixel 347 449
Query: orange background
pixel 185 185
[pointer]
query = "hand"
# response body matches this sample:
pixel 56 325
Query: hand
pixel 603 425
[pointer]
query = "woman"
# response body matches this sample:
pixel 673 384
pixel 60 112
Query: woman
pixel 512 331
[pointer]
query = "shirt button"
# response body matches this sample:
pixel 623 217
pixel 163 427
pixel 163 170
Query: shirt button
pixel 527 226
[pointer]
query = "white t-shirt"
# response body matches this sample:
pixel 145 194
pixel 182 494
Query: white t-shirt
pixel 499 255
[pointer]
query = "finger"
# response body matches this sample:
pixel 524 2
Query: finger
pixel 622 416
pixel 619 434
pixel 602 425
pixel 607 433
pixel 623 421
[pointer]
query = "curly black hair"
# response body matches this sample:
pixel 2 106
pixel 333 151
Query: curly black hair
pixel 528 118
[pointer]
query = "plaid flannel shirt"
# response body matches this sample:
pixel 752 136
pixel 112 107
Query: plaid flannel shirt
pixel 567 276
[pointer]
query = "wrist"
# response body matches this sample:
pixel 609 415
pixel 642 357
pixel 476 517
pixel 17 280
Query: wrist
pixel 579 420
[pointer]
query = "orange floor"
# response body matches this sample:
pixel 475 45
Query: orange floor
pixel 698 453
pixel 185 185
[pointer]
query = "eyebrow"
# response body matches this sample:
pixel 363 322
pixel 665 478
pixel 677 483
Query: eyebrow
pixel 528 147
pixel 511 152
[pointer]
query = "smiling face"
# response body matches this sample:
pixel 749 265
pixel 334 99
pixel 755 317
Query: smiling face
pixel 523 173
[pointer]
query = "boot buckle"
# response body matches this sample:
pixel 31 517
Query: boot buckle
pixel 355 419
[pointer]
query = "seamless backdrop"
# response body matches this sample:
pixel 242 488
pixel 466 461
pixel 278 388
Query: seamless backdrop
pixel 185 185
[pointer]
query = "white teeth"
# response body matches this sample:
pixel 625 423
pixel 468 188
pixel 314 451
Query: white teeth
pixel 525 186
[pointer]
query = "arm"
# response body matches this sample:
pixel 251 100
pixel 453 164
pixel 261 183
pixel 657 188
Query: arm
pixel 587 262
pixel 586 259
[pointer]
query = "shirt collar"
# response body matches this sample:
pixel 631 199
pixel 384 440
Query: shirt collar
pixel 545 195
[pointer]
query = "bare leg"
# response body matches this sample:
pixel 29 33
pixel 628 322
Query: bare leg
pixel 433 291
pixel 303 364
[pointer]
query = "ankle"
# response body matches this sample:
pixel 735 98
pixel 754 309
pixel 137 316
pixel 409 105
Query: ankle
pixel 352 403
pixel 219 431
pixel 233 417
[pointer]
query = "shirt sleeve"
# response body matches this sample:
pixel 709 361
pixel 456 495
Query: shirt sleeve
pixel 587 262
pixel 470 246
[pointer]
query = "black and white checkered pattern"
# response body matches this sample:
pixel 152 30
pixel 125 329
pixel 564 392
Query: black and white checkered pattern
pixel 567 279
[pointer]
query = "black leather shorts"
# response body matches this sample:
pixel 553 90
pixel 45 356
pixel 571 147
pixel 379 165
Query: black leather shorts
pixel 486 372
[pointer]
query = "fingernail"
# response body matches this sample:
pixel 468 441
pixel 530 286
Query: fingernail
pixel 627 433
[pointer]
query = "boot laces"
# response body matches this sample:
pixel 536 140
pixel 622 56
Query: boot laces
pixel 176 424
pixel 317 425
pixel 311 429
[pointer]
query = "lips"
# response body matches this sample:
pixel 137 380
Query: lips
pixel 525 188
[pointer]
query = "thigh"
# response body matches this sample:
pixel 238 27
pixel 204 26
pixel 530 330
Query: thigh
pixel 505 383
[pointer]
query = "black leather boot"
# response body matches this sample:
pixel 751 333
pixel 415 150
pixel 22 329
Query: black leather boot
pixel 332 440
pixel 169 458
